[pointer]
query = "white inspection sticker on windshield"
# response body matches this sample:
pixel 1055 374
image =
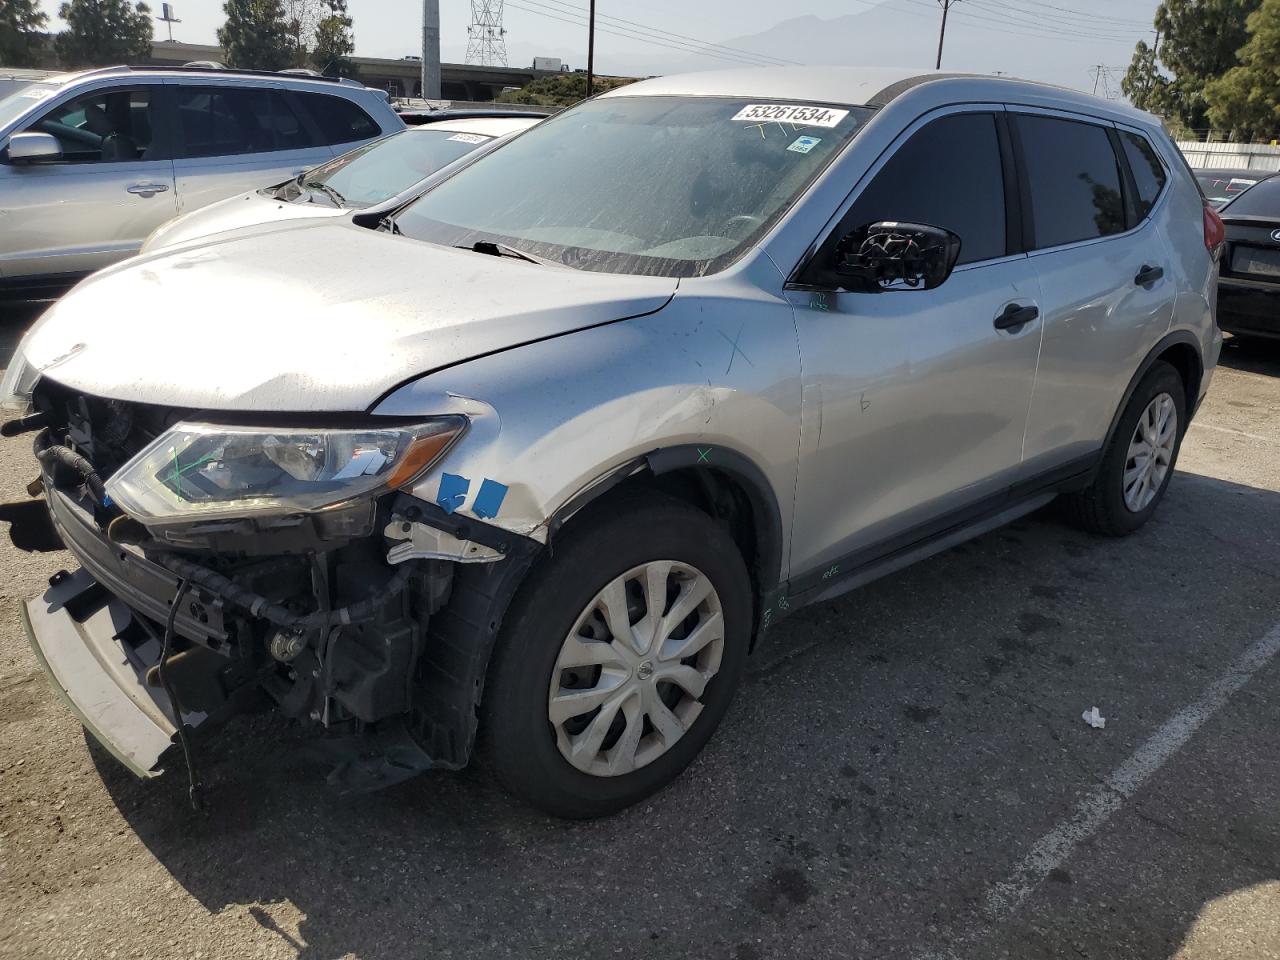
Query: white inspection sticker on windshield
pixel 468 138
pixel 791 113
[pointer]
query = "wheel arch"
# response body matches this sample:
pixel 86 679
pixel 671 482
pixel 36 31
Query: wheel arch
pixel 720 481
pixel 1181 350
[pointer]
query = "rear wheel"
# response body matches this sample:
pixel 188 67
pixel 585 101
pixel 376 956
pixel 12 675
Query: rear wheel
pixel 1138 463
pixel 619 658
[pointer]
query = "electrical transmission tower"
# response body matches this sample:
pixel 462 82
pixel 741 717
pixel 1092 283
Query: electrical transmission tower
pixel 1104 76
pixel 486 45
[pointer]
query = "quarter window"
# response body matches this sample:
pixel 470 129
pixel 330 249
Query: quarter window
pixel 947 175
pixel 229 121
pixel 339 120
pixel 1148 172
pixel 1074 180
pixel 107 126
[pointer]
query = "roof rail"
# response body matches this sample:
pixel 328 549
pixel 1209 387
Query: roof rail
pixel 229 71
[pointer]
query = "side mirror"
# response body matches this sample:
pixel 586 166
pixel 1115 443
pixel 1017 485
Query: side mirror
pixel 896 256
pixel 34 148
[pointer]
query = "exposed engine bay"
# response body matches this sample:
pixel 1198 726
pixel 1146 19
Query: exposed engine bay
pixel 372 618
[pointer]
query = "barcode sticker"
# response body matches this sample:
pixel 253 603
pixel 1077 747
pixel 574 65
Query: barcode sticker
pixel 468 138
pixel 797 114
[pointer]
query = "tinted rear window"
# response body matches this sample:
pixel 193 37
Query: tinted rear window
pixel 1148 172
pixel 1074 180
pixel 230 121
pixel 1260 200
pixel 339 120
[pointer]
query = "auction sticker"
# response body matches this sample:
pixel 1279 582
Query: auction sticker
pixel 468 138
pixel 797 114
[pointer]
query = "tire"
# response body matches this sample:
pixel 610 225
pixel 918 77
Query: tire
pixel 1103 507
pixel 528 677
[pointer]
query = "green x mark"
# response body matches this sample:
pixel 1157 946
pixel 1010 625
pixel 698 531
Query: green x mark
pixel 704 456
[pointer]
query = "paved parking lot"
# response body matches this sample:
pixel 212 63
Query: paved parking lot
pixel 905 774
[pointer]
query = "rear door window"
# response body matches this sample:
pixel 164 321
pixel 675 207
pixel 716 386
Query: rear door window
pixel 231 121
pixel 1149 176
pixel 948 174
pixel 1073 178
pixel 339 120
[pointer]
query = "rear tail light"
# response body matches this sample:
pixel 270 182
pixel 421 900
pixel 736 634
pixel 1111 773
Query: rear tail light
pixel 1215 231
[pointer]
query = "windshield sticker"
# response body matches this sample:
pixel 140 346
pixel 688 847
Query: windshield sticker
pixel 804 144
pixel 35 94
pixel 795 114
pixel 468 138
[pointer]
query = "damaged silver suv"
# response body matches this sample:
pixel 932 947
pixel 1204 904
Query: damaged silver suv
pixel 549 450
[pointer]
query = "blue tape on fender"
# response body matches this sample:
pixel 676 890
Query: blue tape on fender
pixel 489 499
pixel 453 491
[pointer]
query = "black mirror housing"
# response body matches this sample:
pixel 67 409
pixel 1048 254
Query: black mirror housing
pixel 890 255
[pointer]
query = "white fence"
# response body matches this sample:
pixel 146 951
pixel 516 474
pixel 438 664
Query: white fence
pixel 1246 156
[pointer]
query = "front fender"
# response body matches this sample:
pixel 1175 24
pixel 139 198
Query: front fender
pixel 551 420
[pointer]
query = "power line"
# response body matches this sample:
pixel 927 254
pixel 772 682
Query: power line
pixel 1051 22
pixel 632 35
pixel 573 8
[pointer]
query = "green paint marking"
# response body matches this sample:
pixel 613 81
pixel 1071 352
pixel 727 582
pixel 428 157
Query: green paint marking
pixel 704 456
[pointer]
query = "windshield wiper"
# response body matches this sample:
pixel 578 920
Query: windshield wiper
pixel 495 249
pixel 328 191
pixel 388 225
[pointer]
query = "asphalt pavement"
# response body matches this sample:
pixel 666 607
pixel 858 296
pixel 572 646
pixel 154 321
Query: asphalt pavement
pixel 905 774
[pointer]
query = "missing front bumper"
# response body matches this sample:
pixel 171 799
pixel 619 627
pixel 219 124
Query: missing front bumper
pixel 85 646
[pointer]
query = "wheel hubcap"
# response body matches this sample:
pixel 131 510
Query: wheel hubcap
pixel 630 676
pixel 1150 453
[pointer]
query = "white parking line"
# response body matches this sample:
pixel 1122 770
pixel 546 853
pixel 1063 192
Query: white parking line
pixel 1199 425
pixel 1051 850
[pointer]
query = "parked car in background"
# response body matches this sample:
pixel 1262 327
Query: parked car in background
pixel 403 163
pixel 1222 185
pixel 555 446
pixel 1249 288
pixel 91 163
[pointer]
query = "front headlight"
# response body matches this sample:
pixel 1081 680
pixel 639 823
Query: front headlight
pixel 203 471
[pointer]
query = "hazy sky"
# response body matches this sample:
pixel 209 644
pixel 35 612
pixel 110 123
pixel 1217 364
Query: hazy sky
pixel 1054 40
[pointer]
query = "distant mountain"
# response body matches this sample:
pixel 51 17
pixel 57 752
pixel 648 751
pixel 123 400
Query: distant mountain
pixel 897 35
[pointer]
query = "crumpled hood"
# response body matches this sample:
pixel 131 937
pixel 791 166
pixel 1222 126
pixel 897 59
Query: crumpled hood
pixel 316 316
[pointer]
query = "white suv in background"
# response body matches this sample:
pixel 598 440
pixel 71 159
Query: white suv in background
pixel 91 163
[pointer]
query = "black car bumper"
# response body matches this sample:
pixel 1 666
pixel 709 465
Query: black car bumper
pixel 1250 307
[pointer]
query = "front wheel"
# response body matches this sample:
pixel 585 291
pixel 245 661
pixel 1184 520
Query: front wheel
pixel 1137 464
pixel 619 658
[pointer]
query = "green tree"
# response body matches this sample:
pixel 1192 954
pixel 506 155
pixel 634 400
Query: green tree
pixel 334 42
pixel 103 32
pixel 562 90
pixel 1143 83
pixel 20 24
pixel 1246 99
pixel 256 35
pixel 1198 43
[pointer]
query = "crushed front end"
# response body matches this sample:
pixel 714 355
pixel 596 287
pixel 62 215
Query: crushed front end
pixel 223 558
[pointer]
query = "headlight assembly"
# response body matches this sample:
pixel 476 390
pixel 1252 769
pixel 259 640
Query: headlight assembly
pixel 204 471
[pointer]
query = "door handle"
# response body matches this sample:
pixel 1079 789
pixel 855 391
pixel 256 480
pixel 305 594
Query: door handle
pixel 1016 315
pixel 146 189
pixel 1148 274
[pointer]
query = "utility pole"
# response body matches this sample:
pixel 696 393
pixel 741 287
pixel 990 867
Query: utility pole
pixel 431 49
pixel 1097 75
pixel 942 31
pixel 591 48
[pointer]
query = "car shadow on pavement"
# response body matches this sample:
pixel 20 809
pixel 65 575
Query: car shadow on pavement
pixel 1255 355
pixel 893 754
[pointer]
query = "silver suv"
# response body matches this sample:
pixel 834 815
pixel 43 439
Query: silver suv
pixel 91 163
pixel 550 450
